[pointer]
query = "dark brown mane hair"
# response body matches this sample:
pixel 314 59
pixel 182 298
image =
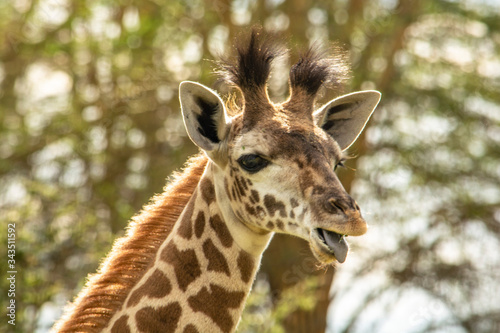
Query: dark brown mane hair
pixel 318 67
pixel 249 68
pixel 107 290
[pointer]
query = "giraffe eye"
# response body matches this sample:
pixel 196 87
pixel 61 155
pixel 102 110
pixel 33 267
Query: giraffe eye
pixel 340 164
pixel 252 163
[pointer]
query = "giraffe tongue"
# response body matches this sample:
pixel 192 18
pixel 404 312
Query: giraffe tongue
pixel 336 243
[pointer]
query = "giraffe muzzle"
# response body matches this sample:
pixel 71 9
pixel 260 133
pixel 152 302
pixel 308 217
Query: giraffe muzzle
pixel 344 215
pixel 340 217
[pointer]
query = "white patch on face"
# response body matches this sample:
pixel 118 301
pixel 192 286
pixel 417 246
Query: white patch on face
pixel 252 142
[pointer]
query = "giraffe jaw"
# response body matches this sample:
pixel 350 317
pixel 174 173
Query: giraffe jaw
pixel 329 246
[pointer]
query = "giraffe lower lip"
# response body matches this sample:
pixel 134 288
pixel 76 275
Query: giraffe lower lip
pixel 335 243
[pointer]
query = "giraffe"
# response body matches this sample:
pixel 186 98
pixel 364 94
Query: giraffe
pixel 188 260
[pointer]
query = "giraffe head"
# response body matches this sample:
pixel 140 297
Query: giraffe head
pixel 275 163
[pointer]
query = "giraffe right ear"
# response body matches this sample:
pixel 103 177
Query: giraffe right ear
pixel 345 117
pixel 205 116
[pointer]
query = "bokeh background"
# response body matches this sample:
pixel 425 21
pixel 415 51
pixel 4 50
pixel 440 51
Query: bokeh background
pixel 90 128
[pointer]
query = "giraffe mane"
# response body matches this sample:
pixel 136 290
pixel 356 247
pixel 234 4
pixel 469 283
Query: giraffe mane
pixel 106 291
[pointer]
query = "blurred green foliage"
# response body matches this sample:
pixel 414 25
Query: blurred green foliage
pixel 262 315
pixel 90 128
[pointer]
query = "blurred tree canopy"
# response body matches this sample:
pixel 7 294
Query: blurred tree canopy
pixel 90 127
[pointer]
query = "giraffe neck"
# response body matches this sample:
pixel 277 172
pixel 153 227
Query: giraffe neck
pixel 201 274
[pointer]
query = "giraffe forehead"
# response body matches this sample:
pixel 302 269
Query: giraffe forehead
pixel 288 142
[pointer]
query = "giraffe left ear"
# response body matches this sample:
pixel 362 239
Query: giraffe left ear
pixel 345 117
pixel 205 116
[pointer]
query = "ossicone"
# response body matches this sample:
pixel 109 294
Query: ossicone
pixel 316 68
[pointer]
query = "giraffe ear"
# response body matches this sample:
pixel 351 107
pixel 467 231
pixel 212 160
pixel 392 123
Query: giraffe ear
pixel 204 114
pixel 345 117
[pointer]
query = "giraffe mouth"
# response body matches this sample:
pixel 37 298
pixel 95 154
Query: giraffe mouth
pixel 335 243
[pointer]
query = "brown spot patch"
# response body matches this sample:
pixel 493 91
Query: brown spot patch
pixel 318 190
pixel 245 264
pixel 216 260
pixel 190 329
pixel 162 319
pixel 186 265
pixel 221 230
pixel 185 229
pixel 207 190
pixel 156 286
pixel 199 224
pixel 215 303
pixel 306 180
pixel 250 210
pixel 239 186
pixel 273 206
pixel 280 225
pixel 254 195
pixel 235 197
pixel 121 325
pixel 270 225
pixel 244 183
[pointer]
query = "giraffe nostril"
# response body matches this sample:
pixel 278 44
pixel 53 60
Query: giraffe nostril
pixel 353 204
pixel 336 205
pixel 344 205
